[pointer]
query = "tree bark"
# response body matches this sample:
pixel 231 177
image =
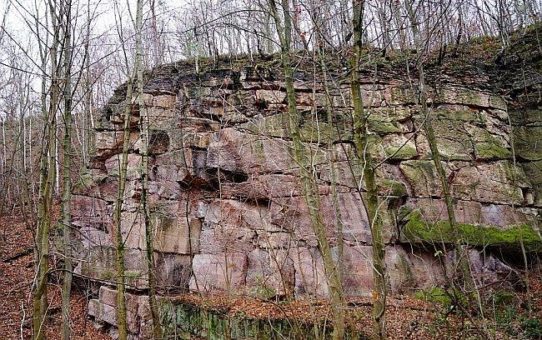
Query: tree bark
pixel 117 214
pixel 365 161
pixel 144 135
pixel 67 153
pixel 459 256
pixel 47 182
pixel 310 187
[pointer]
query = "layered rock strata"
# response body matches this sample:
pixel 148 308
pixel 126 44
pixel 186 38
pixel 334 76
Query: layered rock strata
pixel 226 202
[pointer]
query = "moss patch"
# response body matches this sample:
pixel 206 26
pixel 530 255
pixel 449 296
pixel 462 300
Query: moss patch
pixel 435 295
pixel 406 151
pixel 383 126
pixel 441 296
pixel 487 146
pixel 527 142
pixel 390 187
pixel 188 321
pixel 418 230
pixel 491 151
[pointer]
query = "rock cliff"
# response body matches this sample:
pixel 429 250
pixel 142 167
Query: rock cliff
pixel 226 202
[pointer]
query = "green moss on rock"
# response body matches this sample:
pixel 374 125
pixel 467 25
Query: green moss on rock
pixel 527 142
pixel 491 151
pixel 459 116
pixel 422 177
pixel 487 146
pixel 533 171
pixel 390 187
pixel 383 126
pixel 417 229
pixel 406 151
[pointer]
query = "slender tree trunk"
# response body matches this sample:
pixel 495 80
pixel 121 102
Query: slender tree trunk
pixel 459 259
pixel 144 135
pixel 333 171
pixel 47 182
pixel 66 168
pixel 87 115
pixel 365 160
pixel 117 214
pixel 310 187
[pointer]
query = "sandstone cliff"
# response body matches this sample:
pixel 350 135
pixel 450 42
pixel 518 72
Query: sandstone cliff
pixel 225 195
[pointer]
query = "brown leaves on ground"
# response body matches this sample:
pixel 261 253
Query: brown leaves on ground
pixel 406 317
pixel 16 275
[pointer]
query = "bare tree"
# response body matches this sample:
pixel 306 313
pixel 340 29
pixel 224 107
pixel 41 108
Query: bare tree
pixel 308 182
pixel 144 135
pixel 365 160
pixel 67 155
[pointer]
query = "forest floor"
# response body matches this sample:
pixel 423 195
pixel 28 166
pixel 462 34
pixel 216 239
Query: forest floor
pixel 16 275
pixel 406 317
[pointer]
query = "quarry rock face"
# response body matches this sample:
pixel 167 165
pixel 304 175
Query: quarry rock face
pixel 227 206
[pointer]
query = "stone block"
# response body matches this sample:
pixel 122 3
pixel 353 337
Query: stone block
pixel 270 273
pixel 236 214
pixel 527 142
pixel 399 147
pixel 133 166
pixel 275 240
pixel 533 171
pixel 133 229
pixel 310 278
pixel 164 101
pixel 175 228
pixel 412 270
pixel 108 314
pixel 108 296
pixel 220 238
pixel 292 214
pixel 99 263
pixel 239 152
pixel 454 143
pixel 357 270
pixel 224 271
pixel 498 182
pixel 108 143
pixel 422 177
pixel 91 212
pixel 271 96
pixel 172 271
pixel 468 97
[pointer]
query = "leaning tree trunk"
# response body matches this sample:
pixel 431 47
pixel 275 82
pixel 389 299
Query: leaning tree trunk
pixel 460 260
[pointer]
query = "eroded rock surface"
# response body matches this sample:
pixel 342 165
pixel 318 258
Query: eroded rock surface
pixel 227 206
